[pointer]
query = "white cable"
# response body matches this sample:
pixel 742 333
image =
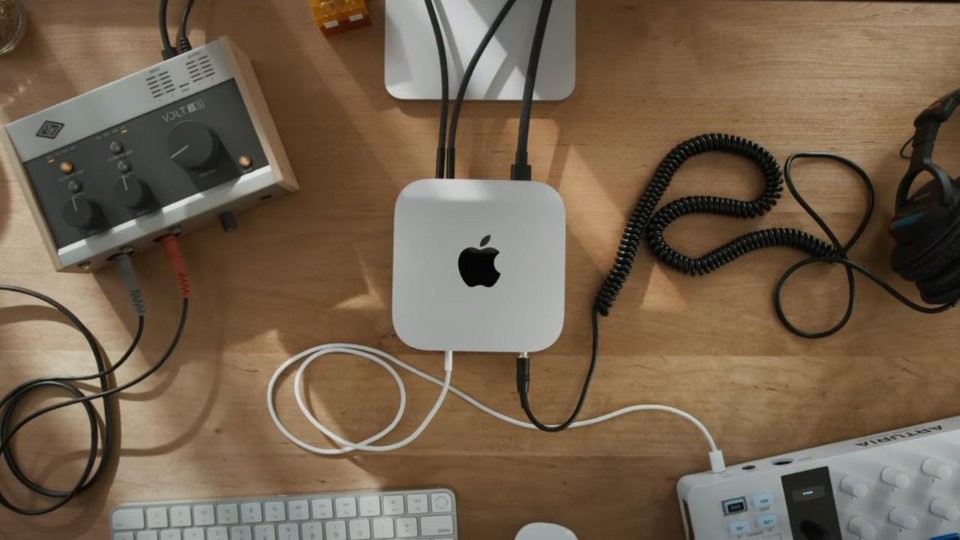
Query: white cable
pixel 384 360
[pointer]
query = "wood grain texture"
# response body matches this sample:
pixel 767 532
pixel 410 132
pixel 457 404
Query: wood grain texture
pixel 314 267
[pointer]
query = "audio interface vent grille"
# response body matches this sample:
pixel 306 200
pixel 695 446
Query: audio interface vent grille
pixel 200 68
pixel 160 84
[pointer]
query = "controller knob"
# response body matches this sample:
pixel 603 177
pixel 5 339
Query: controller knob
pixel 82 213
pixel 904 519
pixel 193 145
pixel 936 469
pixel 133 193
pixel 854 487
pixel 862 528
pixel 895 477
pixel 944 510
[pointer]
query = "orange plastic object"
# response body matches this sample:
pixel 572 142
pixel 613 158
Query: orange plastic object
pixel 336 16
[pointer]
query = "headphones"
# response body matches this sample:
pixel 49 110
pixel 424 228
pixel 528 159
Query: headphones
pixel 926 224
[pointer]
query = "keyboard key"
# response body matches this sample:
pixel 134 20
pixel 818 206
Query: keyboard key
pixel 336 530
pixel 128 519
pixel 193 534
pixel 312 531
pixel 264 532
pixel 251 512
pixel 322 508
pixel 288 531
pixel 436 525
pixel 180 516
pixel 406 527
pixel 123 536
pixel 228 514
pixel 274 511
pixel 217 533
pixel 203 515
pixel 393 505
pixel 383 528
pixel 346 507
pixel 441 502
pixel 157 518
pixel 147 535
pixel 241 533
pixel 360 529
pixel 171 534
pixel 298 510
pixel 370 506
pixel 417 504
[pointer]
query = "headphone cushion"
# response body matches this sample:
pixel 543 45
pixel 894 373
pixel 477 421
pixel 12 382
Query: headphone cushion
pixel 943 288
pixel 936 261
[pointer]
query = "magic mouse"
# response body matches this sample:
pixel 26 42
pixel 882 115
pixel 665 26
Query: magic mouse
pixel 545 531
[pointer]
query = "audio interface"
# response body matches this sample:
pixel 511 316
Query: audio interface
pixel 168 149
pixel 895 485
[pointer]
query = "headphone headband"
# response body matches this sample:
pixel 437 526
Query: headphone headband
pixel 924 139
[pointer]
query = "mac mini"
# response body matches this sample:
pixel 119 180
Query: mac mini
pixel 479 265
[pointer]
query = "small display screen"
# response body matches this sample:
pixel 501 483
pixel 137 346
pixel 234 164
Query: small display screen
pixel 808 494
pixel 734 506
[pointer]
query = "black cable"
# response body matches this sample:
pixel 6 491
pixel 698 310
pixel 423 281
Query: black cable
pixel 183 41
pixel 462 91
pixel 168 51
pixel 903 149
pixel 523 383
pixel 521 169
pixel 444 86
pixel 10 402
pixel 645 224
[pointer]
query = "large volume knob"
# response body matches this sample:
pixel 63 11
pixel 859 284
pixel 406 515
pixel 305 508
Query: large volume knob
pixel 895 477
pixel 862 528
pixel 854 487
pixel 903 519
pixel 133 193
pixel 82 213
pixel 936 469
pixel 193 145
pixel 944 510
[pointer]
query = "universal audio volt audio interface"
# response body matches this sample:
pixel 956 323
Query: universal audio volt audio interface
pixel 898 485
pixel 170 148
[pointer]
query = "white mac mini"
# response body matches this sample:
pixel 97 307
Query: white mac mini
pixel 479 265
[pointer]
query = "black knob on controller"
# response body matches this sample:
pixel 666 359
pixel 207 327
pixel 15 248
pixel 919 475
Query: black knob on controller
pixel 82 213
pixel 133 193
pixel 193 145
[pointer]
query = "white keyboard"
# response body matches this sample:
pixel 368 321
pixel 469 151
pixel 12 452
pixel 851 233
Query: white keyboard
pixel 417 514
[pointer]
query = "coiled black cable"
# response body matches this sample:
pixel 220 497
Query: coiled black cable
pixel 646 224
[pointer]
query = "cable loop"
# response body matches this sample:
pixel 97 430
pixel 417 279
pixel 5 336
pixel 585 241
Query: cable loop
pixel 647 224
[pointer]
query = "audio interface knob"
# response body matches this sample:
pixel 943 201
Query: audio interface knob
pixel 81 213
pixel 903 519
pixel 895 477
pixel 936 469
pixel 854 487
pixel 944 510
pixel 193 145
pixel 133 193
pixel 862 528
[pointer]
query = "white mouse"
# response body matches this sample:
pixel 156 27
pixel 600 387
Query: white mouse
pixel 545 531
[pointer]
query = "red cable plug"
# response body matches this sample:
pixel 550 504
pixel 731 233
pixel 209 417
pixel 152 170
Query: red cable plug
pixel 172 246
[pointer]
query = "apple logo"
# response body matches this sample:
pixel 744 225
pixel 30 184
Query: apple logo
pixel 477 265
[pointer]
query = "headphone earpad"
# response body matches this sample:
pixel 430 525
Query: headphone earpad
pixel 943 288
pixel 936 261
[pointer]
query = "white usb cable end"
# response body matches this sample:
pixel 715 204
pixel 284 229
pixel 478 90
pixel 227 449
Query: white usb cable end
pixel 717 463
pixel 448 361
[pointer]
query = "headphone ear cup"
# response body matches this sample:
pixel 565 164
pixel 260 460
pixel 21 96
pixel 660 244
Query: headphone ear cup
pixel 936 261
pixel 943 288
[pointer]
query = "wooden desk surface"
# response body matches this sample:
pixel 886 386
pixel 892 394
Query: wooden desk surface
pixel 315 267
